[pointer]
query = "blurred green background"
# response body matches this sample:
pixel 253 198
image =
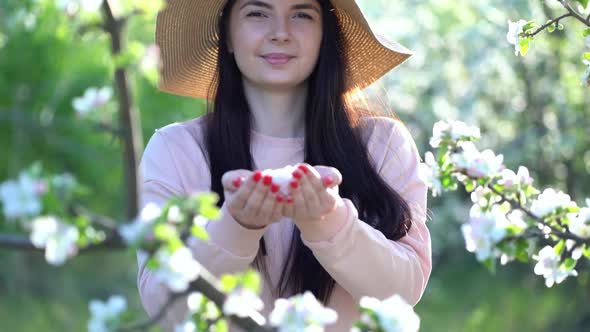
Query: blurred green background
pixel 531 109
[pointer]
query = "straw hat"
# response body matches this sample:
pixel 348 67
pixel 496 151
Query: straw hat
pixel 186 32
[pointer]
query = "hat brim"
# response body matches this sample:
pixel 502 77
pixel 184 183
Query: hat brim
pixel 186 33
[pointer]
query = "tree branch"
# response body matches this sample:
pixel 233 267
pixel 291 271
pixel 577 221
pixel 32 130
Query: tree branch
pixel 574 13
pixel 128 116
pixel 23 243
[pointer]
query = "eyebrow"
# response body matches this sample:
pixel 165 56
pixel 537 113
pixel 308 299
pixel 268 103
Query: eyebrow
pixel 269 6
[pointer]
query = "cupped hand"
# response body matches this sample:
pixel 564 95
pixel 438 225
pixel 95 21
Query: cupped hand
pixel 251 198
pixel 314 193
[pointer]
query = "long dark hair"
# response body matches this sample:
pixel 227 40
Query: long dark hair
pixel 332 138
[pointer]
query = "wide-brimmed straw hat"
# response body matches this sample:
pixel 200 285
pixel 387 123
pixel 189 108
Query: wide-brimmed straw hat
pixel 187 35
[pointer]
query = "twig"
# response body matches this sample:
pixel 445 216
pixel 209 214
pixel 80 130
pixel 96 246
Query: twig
pixel 210 287
pixel 541 28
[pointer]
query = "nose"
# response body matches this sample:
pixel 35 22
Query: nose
pixel 280 30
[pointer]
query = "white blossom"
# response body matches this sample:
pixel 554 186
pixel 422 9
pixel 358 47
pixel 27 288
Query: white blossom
pixel 548 266
pixel 580 224
pixel 514 29
pixel 177 269
pixel 477 164
pixel 242 302
pixel 134 231
pixel 281 177
pixel 104 316
pixel 20 198
pixel 93 98
pixel 301 313
pixel 484 230
pixel 429 173
pixel 175 215
pixel 454 130
pixel 514 180
pixel 393 313
pixel 58 239
pixel 549 200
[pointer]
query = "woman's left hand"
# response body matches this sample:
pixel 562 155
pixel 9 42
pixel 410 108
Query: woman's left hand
pixel 314 193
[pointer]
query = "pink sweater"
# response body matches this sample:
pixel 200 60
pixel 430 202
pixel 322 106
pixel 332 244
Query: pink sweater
pixel 359 257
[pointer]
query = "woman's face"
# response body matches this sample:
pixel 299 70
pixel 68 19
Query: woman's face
pixel 276 43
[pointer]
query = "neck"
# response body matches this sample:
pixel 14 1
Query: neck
pixel 277 113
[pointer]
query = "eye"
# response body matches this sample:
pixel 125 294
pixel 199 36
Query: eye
pixel 255 14
pixel 303 15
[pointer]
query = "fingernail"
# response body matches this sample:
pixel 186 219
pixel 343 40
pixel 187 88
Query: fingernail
pixel 267 180
pixel 274 188
pixel 294 184
pixel 289 199
pixel 237 182
pixel 303 168
pixel 328 180
pixel 280 198
pixel 257 176
pixel 297 175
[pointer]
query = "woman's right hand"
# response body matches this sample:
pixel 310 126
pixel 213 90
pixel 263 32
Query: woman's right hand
pixel 251 198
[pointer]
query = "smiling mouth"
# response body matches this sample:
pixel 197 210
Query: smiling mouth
pixel 277 60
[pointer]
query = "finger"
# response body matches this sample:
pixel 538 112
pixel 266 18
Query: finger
pixel 241 196
pixel 331 173
pixel 232 180
pixel 267 208
pixel 278 208
pixel 257 195
pixel 288 207
pixel 309 193
pixel 299 207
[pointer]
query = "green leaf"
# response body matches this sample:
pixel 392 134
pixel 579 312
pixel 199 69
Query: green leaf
pixel 551 28
pixel 210 212
pixel 221 326
pixel 522 254
pixel 524 46
pixel 559 247
pixel 584 3
pixel 490 264
pixel 586 252
pixel 228 282
pixel 560 26
pixel 251 280
pixel 165 232
pixel 587 55
pixel 200 232
pixel 586 32
pixel 568 264
pixel 529 25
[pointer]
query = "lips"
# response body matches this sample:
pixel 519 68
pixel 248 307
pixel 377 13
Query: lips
pixel 277 58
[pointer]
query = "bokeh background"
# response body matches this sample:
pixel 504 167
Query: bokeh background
pixel 531 109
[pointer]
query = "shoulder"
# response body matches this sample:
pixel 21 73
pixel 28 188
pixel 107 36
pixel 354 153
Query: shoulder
pixel 186 132
pixel 177 151
pixel 179 138
pixel 385 133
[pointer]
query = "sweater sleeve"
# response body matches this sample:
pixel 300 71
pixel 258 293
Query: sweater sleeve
pixel 396 267
pixel 168 159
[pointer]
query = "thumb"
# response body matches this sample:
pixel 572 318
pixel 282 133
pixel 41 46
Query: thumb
pixel 229 179
pixel 332 172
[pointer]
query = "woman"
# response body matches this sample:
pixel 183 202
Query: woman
pixel 278 74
